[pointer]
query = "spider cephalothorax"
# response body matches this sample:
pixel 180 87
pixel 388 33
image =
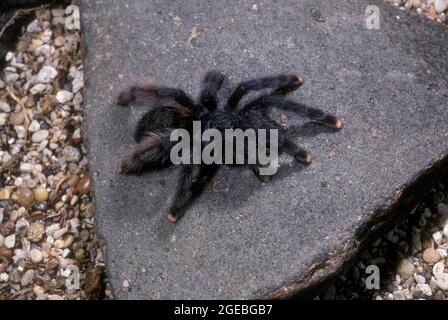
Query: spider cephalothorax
pixel 152 135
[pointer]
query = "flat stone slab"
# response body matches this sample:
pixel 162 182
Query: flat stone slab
pixel 243 239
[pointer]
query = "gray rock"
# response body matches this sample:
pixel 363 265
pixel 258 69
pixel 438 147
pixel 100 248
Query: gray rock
pixel 399 295
pixel 46 75
pixel 59 41
pixel 36 255
pixel 442 281
pixel 440 5
pixel 34 27
pixel 34 126
pixel 78 79
pixel 437 237
pixel 11 77
pixel 4 277
pixel 422 291
pixel 27 278
pixel 10 241
pixel 438 268
pixel 44 49
pixel 71 154
pixel 38 88
pixel 419 279
pixel 26 167
pixel 64 96
pixel 40 135
pixel 3 118
pixel 5 107
pixel 14 276
pixel 46 36
pixel 405 269
pixel 20 254
pixel 9 56
pixel 244 239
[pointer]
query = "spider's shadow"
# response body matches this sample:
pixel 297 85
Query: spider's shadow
pixel 309 130
pixel 232 186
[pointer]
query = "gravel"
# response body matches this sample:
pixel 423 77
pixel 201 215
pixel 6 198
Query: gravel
pixel 46 211
pixel 436 10
pixel 411 258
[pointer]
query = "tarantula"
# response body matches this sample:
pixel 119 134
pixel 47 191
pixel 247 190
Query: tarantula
pixel 152 134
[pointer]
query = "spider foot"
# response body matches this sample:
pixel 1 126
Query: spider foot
pixel 125 96
pixel 264 179
pixel 299 79
pixel 333 122
pixel 304 157
pixel 172 218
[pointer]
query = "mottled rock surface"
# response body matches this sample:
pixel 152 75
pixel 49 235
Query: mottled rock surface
pixel 242 239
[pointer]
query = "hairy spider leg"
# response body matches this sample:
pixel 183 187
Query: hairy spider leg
pixel 143 92
pixel 314 114
pixel 211 84
pixel 290 147
pixel 192 181
pixel 282 84
pixel 153 150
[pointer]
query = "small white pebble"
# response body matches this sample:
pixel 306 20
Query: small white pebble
pixel 46 36
pixel 438 237
pixel 64 96
pixel 36 256
pixel 38 88
pixel 419 279
pixel 33 27
pixel 59 233
pixel 40 135
pixel 443 253
pixel 425 289
pixel 46 74
pixel 65 272
pixel 440 5
pixel 438 268
pixel 27 278
pixel 26 167
pixel 59 244
pixel 442 281
pixel 10 241
pixel 65 252
pixel 50 230
pixel 5 107
pixel 38 290
pixel 20 254
pixel 9 56
pixel 34 126
pixel 4 277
